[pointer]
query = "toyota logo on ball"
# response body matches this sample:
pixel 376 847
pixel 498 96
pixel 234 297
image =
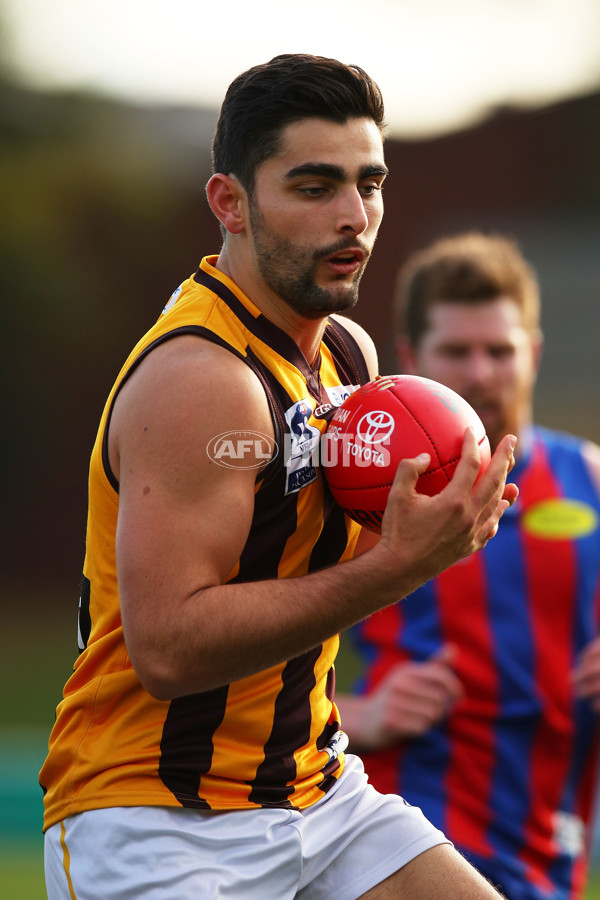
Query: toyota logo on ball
pixel 375 427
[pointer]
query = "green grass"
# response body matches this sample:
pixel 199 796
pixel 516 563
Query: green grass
pixel 38 645
pixel 593 888
pixel 22 872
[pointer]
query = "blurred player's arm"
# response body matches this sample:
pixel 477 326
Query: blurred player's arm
pixel 591 455
pixel 409 700
pixel 586 674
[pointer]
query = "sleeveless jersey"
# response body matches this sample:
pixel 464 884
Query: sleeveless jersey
pixel 267 740
pixel 510 776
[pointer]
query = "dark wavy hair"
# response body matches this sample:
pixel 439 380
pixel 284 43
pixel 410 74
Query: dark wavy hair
pixel 261 102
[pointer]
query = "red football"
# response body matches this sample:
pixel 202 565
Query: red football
pixel 385 421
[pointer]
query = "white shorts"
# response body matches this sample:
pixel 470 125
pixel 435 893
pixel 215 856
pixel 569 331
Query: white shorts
pixel 338 849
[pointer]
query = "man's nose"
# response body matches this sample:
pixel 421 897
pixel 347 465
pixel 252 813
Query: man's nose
pixel 479 367
pixel 352 214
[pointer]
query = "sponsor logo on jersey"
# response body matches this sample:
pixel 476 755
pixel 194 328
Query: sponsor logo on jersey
pixel 341 392
pixel 301 444
pixel 560 519
pixel 336 745
pixel 322 410
pixel 336 396
pixel 172 299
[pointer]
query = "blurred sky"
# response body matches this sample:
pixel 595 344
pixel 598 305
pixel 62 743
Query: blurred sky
pixel 440 63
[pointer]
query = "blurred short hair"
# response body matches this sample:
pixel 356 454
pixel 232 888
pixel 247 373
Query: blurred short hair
pixel 261 102
pixel 465 268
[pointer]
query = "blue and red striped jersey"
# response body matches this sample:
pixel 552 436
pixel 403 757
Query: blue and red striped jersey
pixel 510 776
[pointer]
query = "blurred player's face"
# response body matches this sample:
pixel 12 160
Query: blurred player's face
pixel 315 212
pixel 483 352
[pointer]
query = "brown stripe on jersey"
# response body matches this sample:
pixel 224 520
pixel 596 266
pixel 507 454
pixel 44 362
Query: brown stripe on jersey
pixel 275 404
pixel 198 330
pixel 221 290
pixel 291 730
pixel 323 739
pixel 260 326
pixel 333 538
pixel 186 746
pixel 349 361
pixel 328 778
pixel 275 517
pixel 330 687
pixel 331 727
pixel 273 523
pixel 84 622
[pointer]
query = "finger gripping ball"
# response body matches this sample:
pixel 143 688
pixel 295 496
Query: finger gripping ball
pixel 387 420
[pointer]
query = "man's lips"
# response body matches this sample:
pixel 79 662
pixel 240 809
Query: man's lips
pixel 346 262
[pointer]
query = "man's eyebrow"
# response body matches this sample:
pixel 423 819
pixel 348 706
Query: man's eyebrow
pixel 335 173
pixel 326 170
pixel 373 171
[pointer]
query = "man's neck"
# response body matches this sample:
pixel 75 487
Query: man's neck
pixel 306 333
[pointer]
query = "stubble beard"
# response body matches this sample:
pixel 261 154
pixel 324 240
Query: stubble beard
pixel 288 270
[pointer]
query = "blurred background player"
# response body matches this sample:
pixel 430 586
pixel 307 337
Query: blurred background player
pixel 479 695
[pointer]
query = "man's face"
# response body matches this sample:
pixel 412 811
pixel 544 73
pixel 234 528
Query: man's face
pixel 483 352
pixel 315 212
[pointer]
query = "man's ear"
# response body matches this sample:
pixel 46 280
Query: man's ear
pixel 225 197
pixel 405 355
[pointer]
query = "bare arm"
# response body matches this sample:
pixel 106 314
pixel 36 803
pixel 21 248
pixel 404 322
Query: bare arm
pixel 183 522
pixel 586 675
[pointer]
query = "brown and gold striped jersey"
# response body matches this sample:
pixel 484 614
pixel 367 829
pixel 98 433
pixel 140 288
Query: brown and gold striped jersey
pixel 266 740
